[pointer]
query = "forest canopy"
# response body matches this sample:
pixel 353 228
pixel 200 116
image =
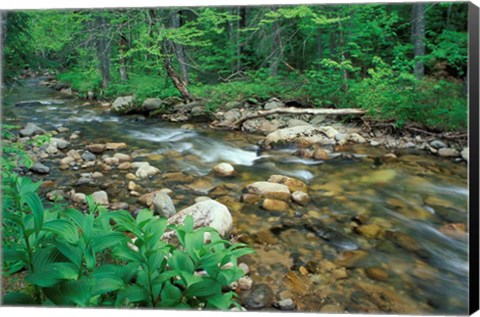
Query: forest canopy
pixel 400 62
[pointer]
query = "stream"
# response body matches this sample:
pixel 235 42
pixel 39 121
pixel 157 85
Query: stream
pixel 316 255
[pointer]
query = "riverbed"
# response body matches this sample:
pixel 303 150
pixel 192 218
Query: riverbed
pixel 393 212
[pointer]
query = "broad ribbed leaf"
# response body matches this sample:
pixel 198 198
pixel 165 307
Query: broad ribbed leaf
pixel 125 272
pixel 108 240
pixel 170 295
pixel 15 299
pixel 92 206
pixel 206 287
pixel 90 259
pixel 127 254
pixel 181 261
pixel 26 185
pixel 73 253
pixel 43 258
pixel 143 215
pixel 79 291
pixel 53 274
pixel 194 243
pixel 36 206
pixel 75 215
pixel 223 301
pixel 131 294
pixel 106 282
pixel 63 228
pixel 87 227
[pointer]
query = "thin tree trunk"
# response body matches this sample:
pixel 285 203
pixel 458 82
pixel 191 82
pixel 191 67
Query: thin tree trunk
pixel 419 38
pixel 123 60
pixel 277 48
pixel 179 49
pixel 102 51
pixel 319 44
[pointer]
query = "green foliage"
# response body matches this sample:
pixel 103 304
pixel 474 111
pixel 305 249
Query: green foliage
pixel 81 259
pixel 82 80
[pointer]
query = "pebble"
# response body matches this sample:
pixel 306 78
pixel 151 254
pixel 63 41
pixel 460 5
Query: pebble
pixel 39 168
pixel 376 273
pixel 448 152
pixel 244 267
pixel 130 176
pixel 300 198
pixel 245 283
pixel 437 144
pixel 88 156
pixel 286 304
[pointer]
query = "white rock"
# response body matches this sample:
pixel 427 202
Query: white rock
pixel 270 190
pixel 357 138
pixel 162 205
pixel 145 171
pixel 100 198
pixel 465 153
pixel 139 164
pixel 208 213
pixel 224 169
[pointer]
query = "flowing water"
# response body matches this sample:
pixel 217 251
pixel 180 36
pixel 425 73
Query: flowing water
pixel 404 264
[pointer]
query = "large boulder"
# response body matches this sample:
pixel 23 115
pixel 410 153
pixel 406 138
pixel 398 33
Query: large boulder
pixel 31 129
pixel 208 213
pixel 152 104
pixel 270 190
pixel 163 205
pixel 303 135
pixel 273 104
pixel 123 105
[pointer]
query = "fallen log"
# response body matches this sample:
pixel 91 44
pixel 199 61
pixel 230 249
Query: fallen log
pixel 290 110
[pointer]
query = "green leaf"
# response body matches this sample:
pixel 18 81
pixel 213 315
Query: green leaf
pixel 92 206
pixel 53 274
pixel 75 215
pixel 125 253
pixel 223 301
pixel 143 216
pixel 131 294
pixel 206 287
pixel 106 282
pixel 73 253
pixel 180 261
pixel 90 258
pixel 63 228
pixel 43 258
pixel 87 226
pixel 14 255
pixel 108 240
pixel 35 204
pixel 194 243
pixel 188 224
pixel 16 299
pixel 170 295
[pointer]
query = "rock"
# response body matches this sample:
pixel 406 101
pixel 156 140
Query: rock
pixel 124 166
pixel 130 176
pixel 96 148
pixel 79 198
pixel 62 129
pixel 261 296
pixel 340 137
pixel 97 175
pixel 66 160
pixel 320 154
pixel 224 170
pixel 162 205
pixel 151 104
pixel 55 195
pixel 60 144
pixel 274 205
pixel 73 136
pixel 74 155
pixel 100 198
pixel 139 164
pixel 146 171
pixel 202 198
pixel 231 116
pixel 389 158
pixel 304 136
pixel 407 242
pixel 369 231
pixel 357 138
pixel 269 190
pixel 110 160
pixel 296 122
pixel 39 168
pixel 285 304
pixel 51 149
pixel 244 267
pixel 437 144
pixel 374 143
pixel 292 183
pixel 245 283
pixel 122 157
pixel 317 120
pixel 250 198
pixel 131 186
pixel 31 129
pixel 273 104
pixel 350 259
pixel 88 156
pixel 340 273
pixel 123 105
pixel 300 198
pixel 448 152
pixel 376 273
pixel 209 213
pixel 464 153
pixel 85 180
pixel 115 146
pixel 380 176
pixel 119 206
pixel 454 230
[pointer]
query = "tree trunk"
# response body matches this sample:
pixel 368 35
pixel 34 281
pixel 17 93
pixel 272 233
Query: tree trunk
pixel 179 49
pixel 419 38
pixel 319 45
pixel 123 60
pixel 102 50
pixel 177 81
pixel 276 54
